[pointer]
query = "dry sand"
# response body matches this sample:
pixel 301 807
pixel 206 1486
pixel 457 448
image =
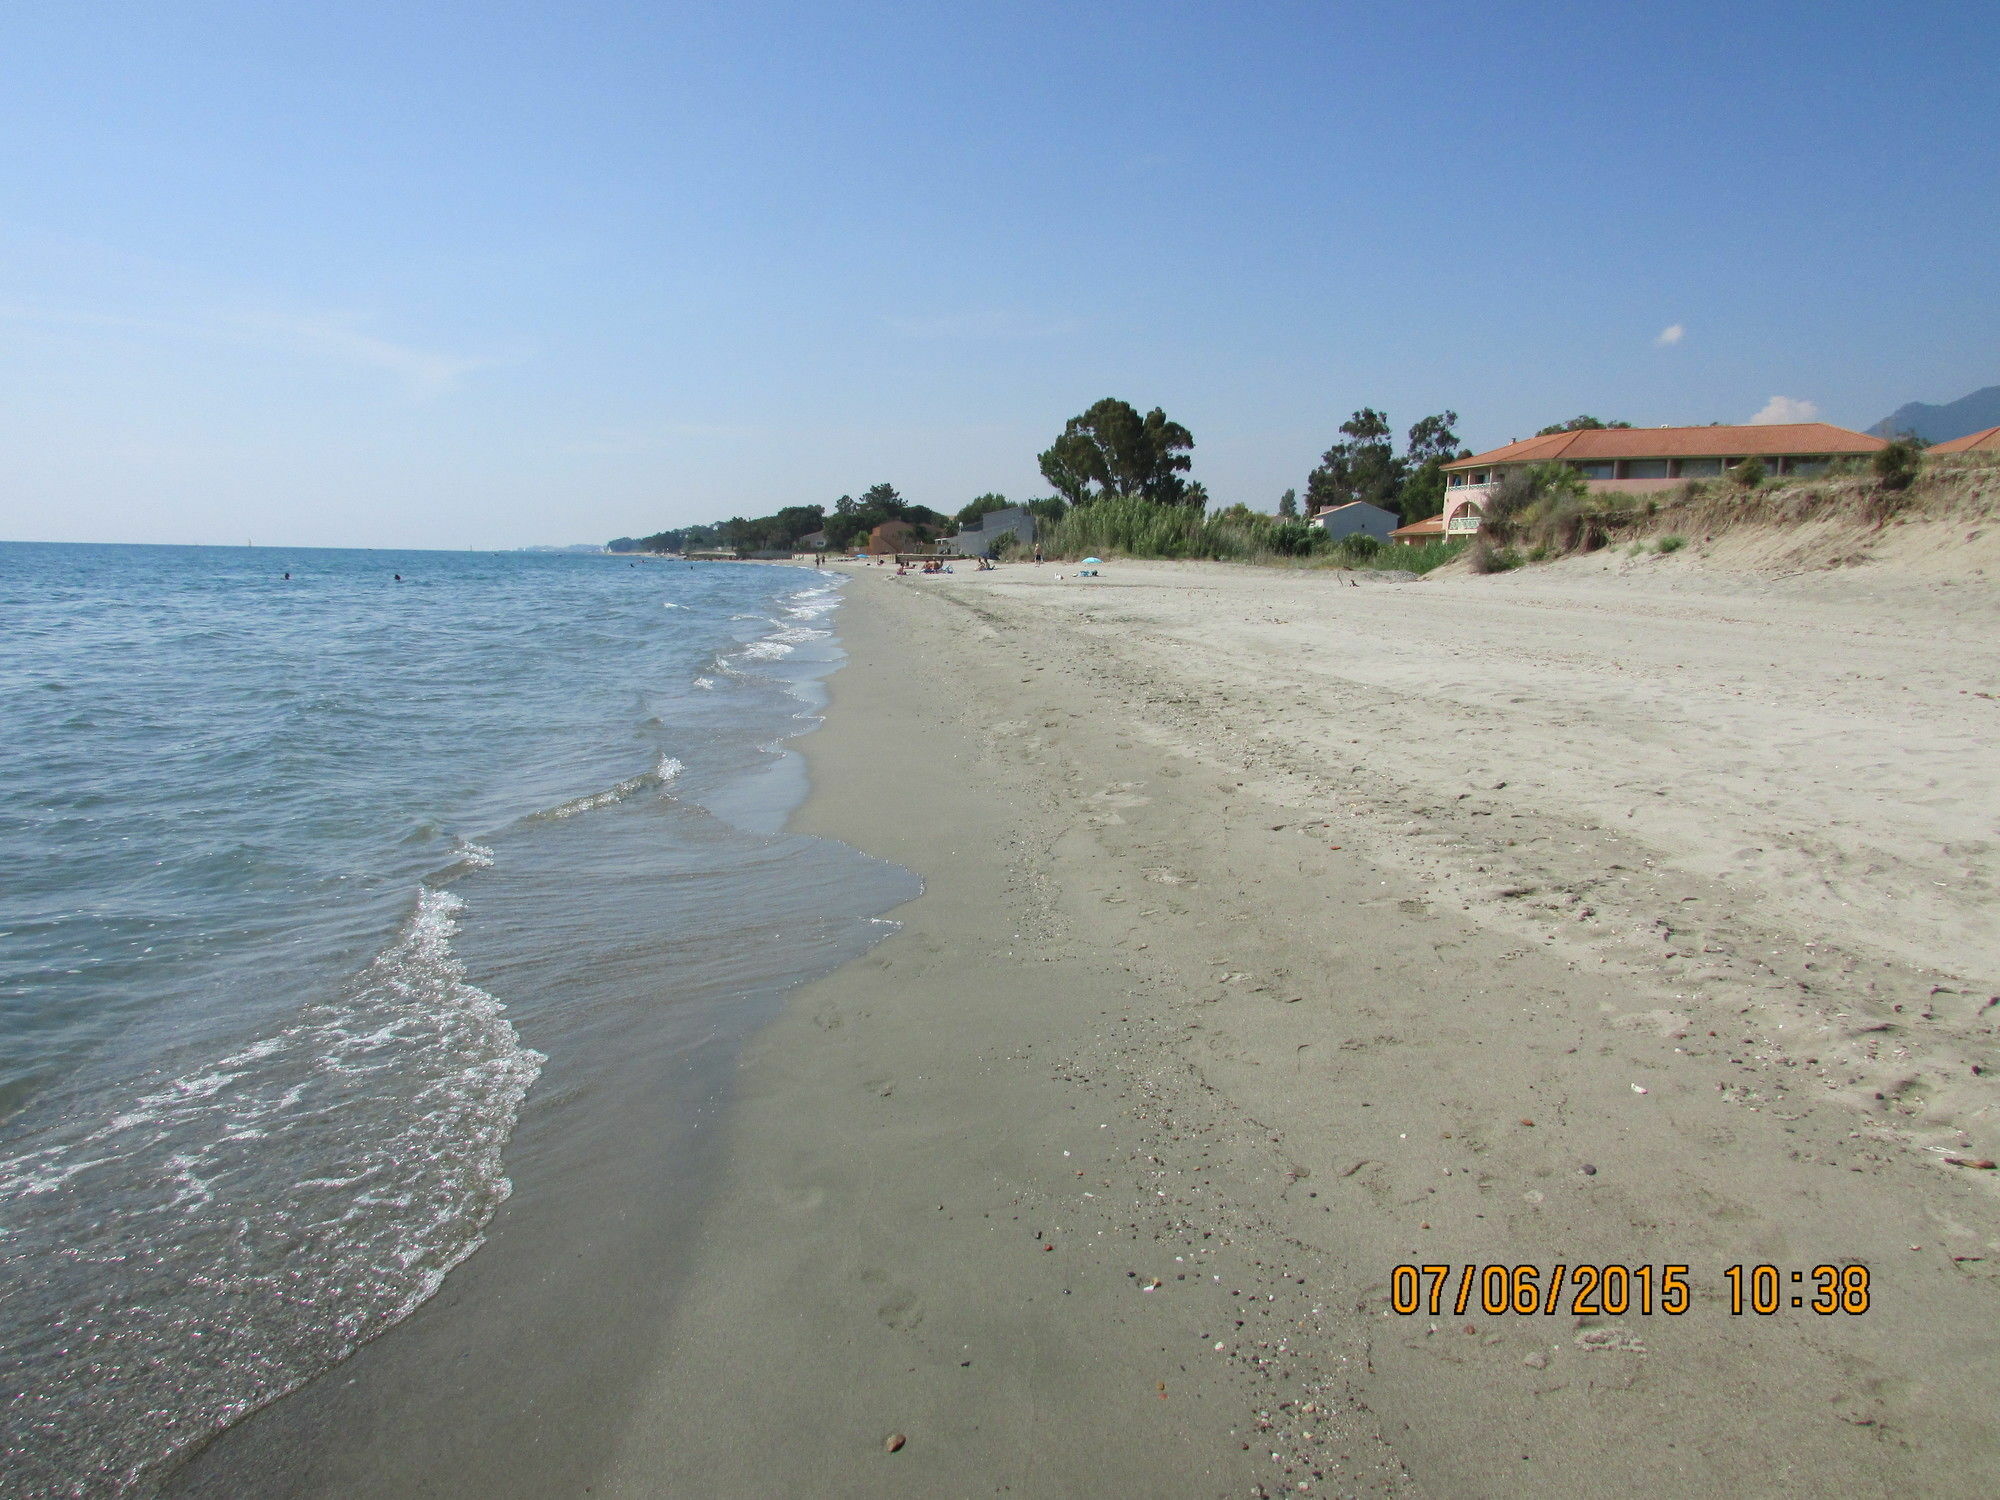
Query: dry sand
pixel 1280 930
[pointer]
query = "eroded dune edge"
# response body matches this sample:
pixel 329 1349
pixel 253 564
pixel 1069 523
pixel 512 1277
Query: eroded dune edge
pixel 1280 930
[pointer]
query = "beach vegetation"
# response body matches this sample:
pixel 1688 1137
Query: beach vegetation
pixel 1130 527
pixel 1288 506
pixel 1357 549
pixel 1489 558
pixel 1750 473
pixel 1544 505
pixel 1419 559
pixel 1670 544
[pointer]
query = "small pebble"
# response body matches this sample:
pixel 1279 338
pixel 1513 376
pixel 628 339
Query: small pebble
pixel 1537 1361
pixel 1589 1170
pixel 893 1442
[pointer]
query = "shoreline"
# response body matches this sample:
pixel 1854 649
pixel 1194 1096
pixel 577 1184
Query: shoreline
pixel 637 946
pixel 1289 1039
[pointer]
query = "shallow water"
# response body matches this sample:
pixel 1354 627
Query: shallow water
pixel 311 887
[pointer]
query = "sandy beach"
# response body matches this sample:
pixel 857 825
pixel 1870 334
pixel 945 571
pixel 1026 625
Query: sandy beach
pixel 1281 929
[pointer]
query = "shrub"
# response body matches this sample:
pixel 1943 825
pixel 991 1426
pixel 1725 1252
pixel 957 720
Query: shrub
pixel 1487 558
pixel 1293 538
pixel 1671 543
pixel 1750 473
pixel 1399 559
pixel 1546 504
pixel 1356 548
pixel 1897 465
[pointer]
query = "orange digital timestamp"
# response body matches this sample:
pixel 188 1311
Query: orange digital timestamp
pixel 1588 1290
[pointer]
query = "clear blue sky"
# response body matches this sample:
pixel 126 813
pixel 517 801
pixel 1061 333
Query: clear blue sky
pixel 489 274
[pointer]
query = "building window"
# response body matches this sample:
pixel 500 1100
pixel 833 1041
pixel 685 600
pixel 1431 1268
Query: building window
pixel 1596 471
pixel 1809 466
pixel 1643 468
pixel 1697 468
pixel 1456 480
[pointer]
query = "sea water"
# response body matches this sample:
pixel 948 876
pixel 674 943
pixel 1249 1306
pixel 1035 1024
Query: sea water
pixel 305 882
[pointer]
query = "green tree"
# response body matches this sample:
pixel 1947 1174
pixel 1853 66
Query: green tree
pixel 981 506
pixel 1112 450
pixel 1433 444
pixel 853 519
pixel 1363 467
pixel 1433 438
pixel 1288 505
pixel 1579 424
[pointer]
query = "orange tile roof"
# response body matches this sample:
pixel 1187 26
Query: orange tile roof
pixel 1677 442
pixel 1428 526
pixel 1983 442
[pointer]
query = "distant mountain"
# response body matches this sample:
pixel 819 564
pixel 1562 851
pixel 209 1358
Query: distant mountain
pixel 1940 424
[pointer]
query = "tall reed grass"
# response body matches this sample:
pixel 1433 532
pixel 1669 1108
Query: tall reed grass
pixel 1130 527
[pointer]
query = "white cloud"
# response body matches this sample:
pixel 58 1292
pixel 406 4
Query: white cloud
pixel 1785 409
pixel 423 372
pixel 327 336
pixel 1672 334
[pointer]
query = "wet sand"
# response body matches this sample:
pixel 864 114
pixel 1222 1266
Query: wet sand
pixel 1278 932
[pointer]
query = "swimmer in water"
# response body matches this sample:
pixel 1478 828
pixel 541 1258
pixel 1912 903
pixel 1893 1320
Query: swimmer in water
pixel 398 577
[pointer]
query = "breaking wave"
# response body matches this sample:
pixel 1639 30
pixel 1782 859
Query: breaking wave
pixel 248 1219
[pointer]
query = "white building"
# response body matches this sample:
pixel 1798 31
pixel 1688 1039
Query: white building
pixel 1338 521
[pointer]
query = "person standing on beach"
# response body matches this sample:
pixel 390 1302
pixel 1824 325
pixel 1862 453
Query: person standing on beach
pixel 1038 554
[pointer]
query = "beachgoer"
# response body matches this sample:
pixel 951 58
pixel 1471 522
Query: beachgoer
pixel 1038 553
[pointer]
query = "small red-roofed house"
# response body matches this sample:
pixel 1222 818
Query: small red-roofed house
pixel 1429 529
pixel 1973 442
